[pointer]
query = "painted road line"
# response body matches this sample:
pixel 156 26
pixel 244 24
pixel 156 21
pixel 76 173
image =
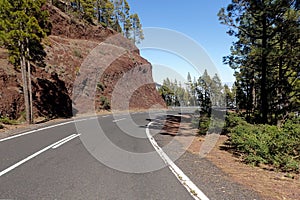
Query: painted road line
pixel 195 192
pixel 117 120
pixel 159 114
pixel 65 141
pixel 105 116
pixel 44 128
pixel 32 156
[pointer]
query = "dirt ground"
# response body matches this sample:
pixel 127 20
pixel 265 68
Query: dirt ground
pixel 271 185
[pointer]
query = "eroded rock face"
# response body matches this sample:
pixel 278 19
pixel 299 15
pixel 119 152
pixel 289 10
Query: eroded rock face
pixel 11 99
pixel 126 82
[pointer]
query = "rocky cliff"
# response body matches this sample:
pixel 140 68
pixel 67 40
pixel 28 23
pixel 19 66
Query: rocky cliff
pixel 124 83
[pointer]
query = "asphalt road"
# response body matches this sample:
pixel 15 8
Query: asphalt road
pixel 73 161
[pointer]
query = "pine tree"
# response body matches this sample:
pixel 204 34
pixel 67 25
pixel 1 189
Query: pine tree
pixel 166 92
pixel 108 13
pixel 118 15
pixel 204 92
pixel 127 26
pixel 22 27
pixel 265 55
pixel 98 10
pixel 189 78
pixel 88 10
pixel 216 91
pixel 229 96
pixel 137 31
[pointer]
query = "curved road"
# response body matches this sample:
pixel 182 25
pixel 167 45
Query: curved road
pixel 53 163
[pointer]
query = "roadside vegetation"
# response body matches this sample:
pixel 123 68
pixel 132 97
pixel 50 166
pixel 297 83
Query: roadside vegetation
pixel 207 123
pixel 269 146
pixel 263 123
pixel 7 121
pixel 265 57
pixel 105 103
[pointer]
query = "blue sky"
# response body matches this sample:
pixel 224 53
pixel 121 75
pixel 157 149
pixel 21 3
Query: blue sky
pixel 197 20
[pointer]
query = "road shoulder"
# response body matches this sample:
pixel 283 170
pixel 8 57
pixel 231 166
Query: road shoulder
pixel 221 166
pixel 270 184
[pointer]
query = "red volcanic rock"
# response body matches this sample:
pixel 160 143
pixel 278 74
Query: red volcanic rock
pixel 84 65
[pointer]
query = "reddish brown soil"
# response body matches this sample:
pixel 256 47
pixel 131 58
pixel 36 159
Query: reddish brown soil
pixel 70 43
pixel 271 185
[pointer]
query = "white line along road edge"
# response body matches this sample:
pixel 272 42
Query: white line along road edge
pixel 56 144
pixel 117 120
pixel 185 181
pixel 44 128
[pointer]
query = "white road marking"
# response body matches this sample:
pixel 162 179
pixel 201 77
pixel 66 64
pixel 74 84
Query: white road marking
pixel 195 192
pixel 66 140
pixel 160 114
pixel 105 116
pixel 48 127
pixel 117 120
pixel 32 156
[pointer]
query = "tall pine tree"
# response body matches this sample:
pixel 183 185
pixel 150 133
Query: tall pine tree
pixel 22 27
pixel 265 55
pixel 137 31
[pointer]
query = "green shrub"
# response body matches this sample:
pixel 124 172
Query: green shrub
pixel 204 123
pixel 211 122
pixel 231 121
pixel 265 144
pixel 250 141
pixel 105 103
pixel 77 70
pixel 77 53
pixel 22 117
pixel 8 121
pixel 100 86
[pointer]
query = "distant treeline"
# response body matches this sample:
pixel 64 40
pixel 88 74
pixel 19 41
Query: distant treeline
pixel 206 91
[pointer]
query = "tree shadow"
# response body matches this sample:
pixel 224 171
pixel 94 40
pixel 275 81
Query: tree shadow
pixel 52 98
pixel 170 125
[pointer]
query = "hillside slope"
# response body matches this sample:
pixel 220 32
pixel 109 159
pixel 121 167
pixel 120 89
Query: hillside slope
pixel 69 45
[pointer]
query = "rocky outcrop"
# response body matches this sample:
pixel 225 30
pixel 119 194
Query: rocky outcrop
pixel 11 100
pixel 69 46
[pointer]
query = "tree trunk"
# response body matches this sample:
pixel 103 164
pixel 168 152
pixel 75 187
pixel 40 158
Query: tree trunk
pixel 98 11
pixel 29 85
pixel 79 6
pixel 25 85
pixel 264 92
pixel 280 95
